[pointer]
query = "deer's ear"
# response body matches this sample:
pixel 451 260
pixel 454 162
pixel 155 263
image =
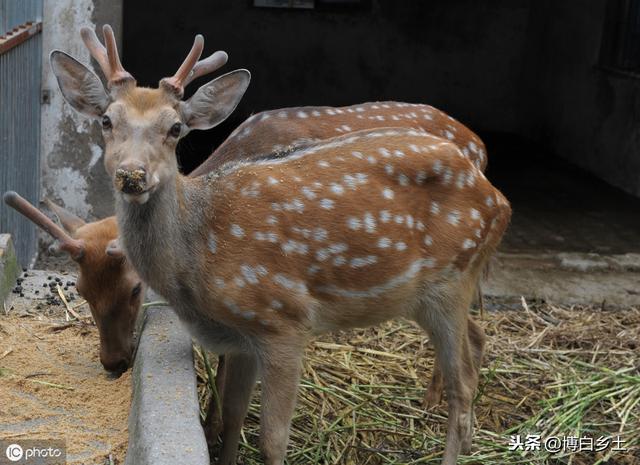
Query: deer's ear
pixel 114 250
pixel 79 85
pixel 70 222
pixel 215 101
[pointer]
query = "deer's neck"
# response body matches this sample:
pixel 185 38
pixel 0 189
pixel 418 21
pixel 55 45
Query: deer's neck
pixel 161 238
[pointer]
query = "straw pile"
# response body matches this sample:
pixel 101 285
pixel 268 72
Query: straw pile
pixel 549 371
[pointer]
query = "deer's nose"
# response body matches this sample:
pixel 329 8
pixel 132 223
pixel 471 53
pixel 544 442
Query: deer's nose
pixel 131 178
pixel 115 364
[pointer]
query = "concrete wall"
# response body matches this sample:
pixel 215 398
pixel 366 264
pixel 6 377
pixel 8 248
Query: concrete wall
pixel 583 113
pixel 72 171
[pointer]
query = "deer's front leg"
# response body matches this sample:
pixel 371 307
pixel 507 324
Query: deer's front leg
pixel 280 376
pixel 239 380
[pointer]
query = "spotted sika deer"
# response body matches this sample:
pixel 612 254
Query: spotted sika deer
pixel 258 257
pixel 281 130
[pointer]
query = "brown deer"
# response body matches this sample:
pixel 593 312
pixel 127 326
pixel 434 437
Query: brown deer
pixel 259 256
pixel 107 281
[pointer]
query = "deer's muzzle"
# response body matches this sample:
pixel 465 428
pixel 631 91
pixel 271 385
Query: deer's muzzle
pixel 131 181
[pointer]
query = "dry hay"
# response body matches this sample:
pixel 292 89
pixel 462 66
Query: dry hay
pixel 548 370
pixel 52 385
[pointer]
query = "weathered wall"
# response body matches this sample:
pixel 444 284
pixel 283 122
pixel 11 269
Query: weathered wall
pixel 72 170
pixel 583 113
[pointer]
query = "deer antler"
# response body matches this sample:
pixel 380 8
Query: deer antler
pixel 73 246
pixel 208 65
pixel 191 68
pixel 107 58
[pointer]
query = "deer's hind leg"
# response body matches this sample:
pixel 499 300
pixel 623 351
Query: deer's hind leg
pixel 433 394
pixel 443 313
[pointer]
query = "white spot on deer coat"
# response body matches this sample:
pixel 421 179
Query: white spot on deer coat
pixel 313 269
pixel 320 234
pixel 302 114
pixel 327 204
pixel 400 246
pixel 384 152
pixel 435 208
pixel 385 216
pixel 290 283
pixel 308 193
pixel 295 246
pixel 339 260
pixel 369 223
pixel 249 274
pixel 468 244
pixel 387 193
pixel 384 242
pixel 354 223
pixel 359 262
pixel 428 240
pixel 212 243
pixel 237 231
pixel 336 188
pixel 453 218
pixel 403 180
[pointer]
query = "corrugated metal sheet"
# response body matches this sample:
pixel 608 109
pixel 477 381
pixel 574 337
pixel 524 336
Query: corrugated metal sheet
pixel 13 13
pixel 20 82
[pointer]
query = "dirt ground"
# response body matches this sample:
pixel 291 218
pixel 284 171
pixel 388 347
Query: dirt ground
pixel 52 386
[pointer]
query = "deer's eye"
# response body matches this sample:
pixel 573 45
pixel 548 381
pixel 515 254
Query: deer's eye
pixel 106 123
pixel 136 290
pixel 175 130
